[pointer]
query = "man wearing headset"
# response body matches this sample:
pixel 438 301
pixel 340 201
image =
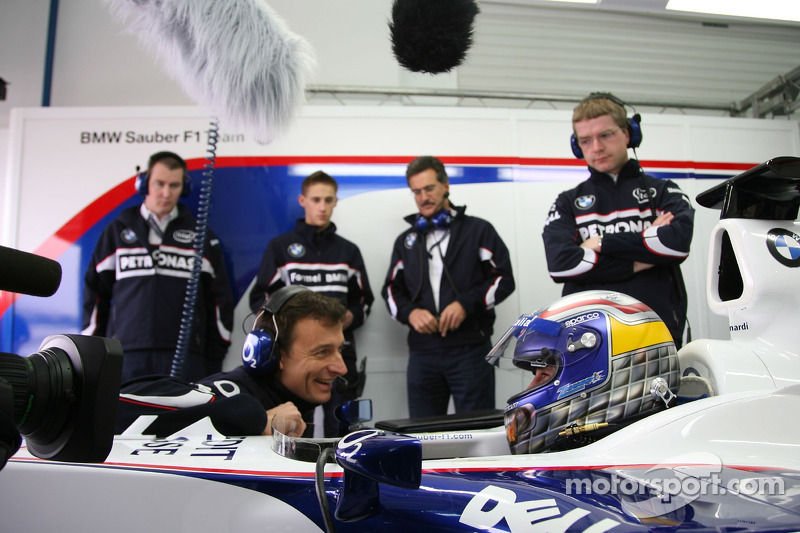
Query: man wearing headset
pixel 619 230
pixel 446 274
pixel 291 361
pixel 135 283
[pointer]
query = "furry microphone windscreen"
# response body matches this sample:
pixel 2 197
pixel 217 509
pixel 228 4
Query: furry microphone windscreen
pixel 235 57
pixel 432 36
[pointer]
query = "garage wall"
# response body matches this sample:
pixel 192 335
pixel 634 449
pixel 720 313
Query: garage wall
pixel 535 49
pixel 59 202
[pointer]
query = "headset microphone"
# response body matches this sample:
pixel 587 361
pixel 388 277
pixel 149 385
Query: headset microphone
pixel 341 383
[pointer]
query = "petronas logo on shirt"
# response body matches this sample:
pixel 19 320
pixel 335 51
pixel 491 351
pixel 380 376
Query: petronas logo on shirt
pixel 296 249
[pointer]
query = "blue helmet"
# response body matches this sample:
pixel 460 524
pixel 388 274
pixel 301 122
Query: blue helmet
pixel 594 356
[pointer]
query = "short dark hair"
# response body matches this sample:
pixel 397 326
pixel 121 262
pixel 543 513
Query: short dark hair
pixel 423 163
pixel 171 160
pixel 319 177
pixel 305 304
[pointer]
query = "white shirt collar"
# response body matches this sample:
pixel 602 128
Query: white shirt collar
pixel 162 223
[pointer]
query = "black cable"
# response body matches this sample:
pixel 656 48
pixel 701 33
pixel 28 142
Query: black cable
pixel 422 264
pixel 319 483
pixel 438 245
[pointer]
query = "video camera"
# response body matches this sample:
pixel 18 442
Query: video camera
pixel 63 398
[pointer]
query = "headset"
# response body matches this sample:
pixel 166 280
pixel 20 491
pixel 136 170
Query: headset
pixel 143 178
pixel 634 128
pixel 440 220
pixel 260 354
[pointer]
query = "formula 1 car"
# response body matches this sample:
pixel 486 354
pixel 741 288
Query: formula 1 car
pixel 618 431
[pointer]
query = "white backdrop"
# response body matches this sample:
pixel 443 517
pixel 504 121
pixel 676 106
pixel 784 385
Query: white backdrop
pixel 53 173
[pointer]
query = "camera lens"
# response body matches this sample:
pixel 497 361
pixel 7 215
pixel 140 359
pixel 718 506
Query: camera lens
pixel 63 398
pixel 43 391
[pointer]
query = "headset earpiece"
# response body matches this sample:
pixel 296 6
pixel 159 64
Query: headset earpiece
pixel 258 343
pixel 141 182
pixel 260 354
pixel 634 127
pixel 576 149
pixel 440 220
pixel 635 131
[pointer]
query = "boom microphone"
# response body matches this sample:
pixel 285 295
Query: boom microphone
pixel 432 36
pixel 237 57
pixel 26 273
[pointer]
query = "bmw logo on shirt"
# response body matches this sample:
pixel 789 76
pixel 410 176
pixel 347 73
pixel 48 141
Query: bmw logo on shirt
pixel 296 249
pixel 584 202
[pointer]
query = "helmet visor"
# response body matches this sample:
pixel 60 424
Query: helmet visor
pixel 525 326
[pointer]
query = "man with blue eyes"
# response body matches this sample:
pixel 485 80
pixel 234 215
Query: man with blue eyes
pixel 620 229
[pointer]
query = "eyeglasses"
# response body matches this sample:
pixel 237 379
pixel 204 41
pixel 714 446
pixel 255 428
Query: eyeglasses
pixel 585 142
pixel 427 189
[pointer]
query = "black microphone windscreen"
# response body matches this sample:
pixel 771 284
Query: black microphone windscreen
pixel 26 273
pixel 432 36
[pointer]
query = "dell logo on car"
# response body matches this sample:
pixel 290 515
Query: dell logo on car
pixel 493 504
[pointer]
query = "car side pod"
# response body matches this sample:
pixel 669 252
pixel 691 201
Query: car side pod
pixel 753 271
pixel 370 457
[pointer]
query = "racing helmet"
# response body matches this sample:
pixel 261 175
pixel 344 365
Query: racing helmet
pixel 597 358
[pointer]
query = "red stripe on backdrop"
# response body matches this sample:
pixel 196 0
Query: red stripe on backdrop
pixel 70 232
pixel 464 160
pixel 66 236
pixel 92 213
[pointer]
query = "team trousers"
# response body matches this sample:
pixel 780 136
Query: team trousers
pixel 461 371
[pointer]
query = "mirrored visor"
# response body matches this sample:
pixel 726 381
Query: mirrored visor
pixel 519 331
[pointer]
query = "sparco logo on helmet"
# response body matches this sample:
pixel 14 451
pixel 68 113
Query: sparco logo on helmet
pixel 580 319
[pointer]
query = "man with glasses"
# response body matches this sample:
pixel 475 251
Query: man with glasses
pixel 448 271
pixel 621 229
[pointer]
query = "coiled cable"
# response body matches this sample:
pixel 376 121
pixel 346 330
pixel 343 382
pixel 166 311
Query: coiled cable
pixel 201 231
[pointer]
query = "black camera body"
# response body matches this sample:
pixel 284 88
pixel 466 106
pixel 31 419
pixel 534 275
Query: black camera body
pixel 62 399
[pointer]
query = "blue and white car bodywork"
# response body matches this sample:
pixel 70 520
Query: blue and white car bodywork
pixel 728 461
